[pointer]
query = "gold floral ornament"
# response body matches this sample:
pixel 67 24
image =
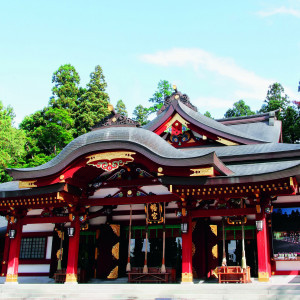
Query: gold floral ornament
pixel 116 229
pixel 110 161
pixel 115 250
pixel 114 273
pixel 214 251
pixel 193 249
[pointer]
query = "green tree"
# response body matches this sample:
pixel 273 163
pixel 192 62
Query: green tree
pixel 208 114
pixel 140 114
pixel 12 142
pixel 121 108
pixel 93 103
pixel 290 118
pixel 239 109
pixel 289 113
pixel 164 89
pixel 275 99
pixel 66 88
pixel 48 131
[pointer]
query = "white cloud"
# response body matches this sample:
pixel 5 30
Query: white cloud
pixel 249 83
pixel 280 11
pixel 213 102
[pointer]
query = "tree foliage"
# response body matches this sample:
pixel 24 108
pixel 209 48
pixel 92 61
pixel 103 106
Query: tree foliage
pixel 140 114
pixel 288 113
pixel 208 114
pixel 12 142
pixel 48 131
pixel 164 89
pixel 240 108
pixel 275 99
pixel 66 87
pixel 93 103
pixel 121 108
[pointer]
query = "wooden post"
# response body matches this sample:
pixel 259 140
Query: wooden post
pixel 14 251
pixel 224 261
pixel 262 249
pixel 187 272
pixel 71 276
pixel 5 253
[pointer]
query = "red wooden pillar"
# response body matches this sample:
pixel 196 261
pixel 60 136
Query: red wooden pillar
pixel 14 251
pixel 71 276
pixel 5 253
pixel 187 271
pixel 262 249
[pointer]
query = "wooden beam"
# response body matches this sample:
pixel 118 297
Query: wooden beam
pixel 222 212
pixel 39 219
pixel 129 200
pixel 131 183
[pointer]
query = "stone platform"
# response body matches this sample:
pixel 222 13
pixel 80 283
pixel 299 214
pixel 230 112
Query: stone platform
pixel 38 288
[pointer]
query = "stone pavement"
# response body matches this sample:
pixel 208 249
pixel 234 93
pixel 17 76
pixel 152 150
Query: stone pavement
pixel 39 288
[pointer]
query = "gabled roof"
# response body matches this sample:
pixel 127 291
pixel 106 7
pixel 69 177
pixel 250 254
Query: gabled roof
pixel 143 141
pixel 202 122
pixel 262 126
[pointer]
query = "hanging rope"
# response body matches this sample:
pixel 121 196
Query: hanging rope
pixel 128 267
pixel 60 251
pixel 224 261
pixel 145 269
pixel 163 266
pixel 244 265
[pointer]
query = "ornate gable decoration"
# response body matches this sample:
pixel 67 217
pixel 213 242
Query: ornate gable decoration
pixel 109 161
pixel 114 119
pixel 184 98
pixel 177 125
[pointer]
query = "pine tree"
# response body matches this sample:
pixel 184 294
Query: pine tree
pixel 12 142
pixel 93 103
pixel 66 88
pixel 140 114
pixel 164 89
pixel 121 108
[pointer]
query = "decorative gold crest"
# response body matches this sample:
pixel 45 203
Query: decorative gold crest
pixel 115 250
pixel 203 172
pixel 214 251
pixel 214 229
pixel 193 249
pixel 178 118
pixel 27 184
pixel 109 161
pixel 114 273
pixel 226 142
pixel 115 228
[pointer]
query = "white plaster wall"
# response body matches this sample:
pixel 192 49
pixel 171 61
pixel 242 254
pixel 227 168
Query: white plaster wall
pixel 102 192
pixel 94 208
pixel 38 227
pixel 34 212
pixel 284 199
pixel 287 265
pixel 156 189
pixel 97 221
pixel 34 268
pixel 49 247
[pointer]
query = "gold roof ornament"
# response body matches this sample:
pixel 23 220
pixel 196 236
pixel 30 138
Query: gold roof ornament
pixel 110 107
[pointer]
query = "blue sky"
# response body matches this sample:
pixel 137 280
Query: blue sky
pixel 215 51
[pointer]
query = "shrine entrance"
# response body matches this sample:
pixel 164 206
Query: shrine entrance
pixel 153 246
pixel 233 247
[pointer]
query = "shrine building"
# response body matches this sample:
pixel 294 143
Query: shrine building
pixel 170 201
